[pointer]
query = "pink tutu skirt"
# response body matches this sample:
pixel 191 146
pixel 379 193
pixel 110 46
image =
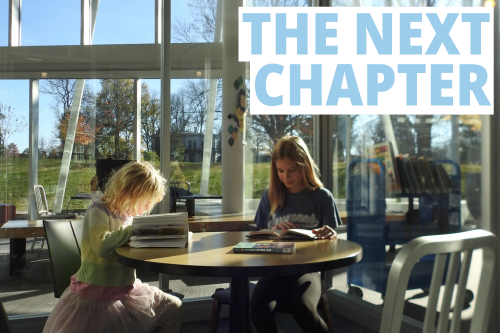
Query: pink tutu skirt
pixel 140 309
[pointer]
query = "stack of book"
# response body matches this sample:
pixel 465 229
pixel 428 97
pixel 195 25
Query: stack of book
pixel 410 175
pixel 160 230
pixel 422 176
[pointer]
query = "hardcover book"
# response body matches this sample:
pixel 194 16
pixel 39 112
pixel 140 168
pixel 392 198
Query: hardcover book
pixel 280 247
pixel 287 234
pixel 160 230
pixel 385 153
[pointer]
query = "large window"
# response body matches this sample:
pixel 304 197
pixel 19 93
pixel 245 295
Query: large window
pixel 14 142
pixel 431 186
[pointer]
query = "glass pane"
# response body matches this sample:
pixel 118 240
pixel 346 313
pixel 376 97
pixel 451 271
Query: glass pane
pixel 56 100
pixel 4 22
pixel 125 22
pixel 188 122
pixel 194 21
pixel 14 143
pixel 55 22
pixel 431 185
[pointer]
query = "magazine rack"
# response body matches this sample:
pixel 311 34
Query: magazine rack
pixel 367 225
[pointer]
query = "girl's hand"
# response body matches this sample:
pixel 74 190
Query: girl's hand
pixel 285 226
pixel 325 232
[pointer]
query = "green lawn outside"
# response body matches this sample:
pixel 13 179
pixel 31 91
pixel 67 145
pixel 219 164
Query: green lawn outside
pixel 14 179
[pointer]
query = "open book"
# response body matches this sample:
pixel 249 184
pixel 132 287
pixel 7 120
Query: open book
pixel 160 230
pixel 284 234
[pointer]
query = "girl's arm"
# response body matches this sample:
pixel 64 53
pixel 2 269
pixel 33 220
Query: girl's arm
pixel 330 218
pixel 103 241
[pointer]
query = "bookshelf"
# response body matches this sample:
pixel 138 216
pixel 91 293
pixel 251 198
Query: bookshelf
pixel 366 206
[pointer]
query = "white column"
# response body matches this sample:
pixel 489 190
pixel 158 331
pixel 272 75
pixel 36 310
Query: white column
pixel 68 146
pixel 165 101
pixel 233 164
pixel 33 148
pixel 15 23
pixel 158 13
pixel 137 119
pixel 88 18
pixel 209 128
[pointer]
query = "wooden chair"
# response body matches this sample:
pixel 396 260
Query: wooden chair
pixel 456 249
pixel 5 326
pixel 221 296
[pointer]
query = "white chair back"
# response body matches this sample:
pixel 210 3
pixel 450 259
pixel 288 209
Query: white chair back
pixel 41 200
pixel 459 246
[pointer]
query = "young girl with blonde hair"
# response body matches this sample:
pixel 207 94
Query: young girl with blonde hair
pixel 295 198
pixel 105 296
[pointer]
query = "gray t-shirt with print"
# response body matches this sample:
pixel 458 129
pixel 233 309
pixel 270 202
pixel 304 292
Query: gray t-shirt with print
pixel 309 209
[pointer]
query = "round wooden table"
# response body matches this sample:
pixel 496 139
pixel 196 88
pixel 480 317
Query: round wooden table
pixel 210 254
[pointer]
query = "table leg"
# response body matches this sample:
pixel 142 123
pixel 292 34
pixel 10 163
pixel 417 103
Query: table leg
pixel 17 254
pixel 239 305
pixel 190 206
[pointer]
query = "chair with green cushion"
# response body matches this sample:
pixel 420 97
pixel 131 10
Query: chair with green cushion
pixel 77 226
pixel 63 251
pixel 64 242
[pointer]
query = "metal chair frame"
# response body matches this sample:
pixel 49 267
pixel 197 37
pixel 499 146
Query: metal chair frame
pixel 458 247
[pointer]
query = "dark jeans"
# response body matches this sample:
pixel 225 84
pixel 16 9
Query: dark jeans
pixel 298 295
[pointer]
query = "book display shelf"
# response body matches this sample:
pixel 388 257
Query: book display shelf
pixel 438 212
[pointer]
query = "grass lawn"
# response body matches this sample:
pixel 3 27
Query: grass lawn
pixel 14 179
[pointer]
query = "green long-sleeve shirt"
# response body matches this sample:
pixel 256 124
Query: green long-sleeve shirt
pixel 103 231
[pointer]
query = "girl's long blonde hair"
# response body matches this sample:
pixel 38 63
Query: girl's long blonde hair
pixel 134 184
pixel 295 149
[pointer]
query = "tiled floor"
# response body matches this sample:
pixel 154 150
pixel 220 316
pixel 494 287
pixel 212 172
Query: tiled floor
pixel 285 322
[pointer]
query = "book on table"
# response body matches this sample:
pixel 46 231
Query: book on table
pixel 279 247
pixel 304 234
pixel 160 230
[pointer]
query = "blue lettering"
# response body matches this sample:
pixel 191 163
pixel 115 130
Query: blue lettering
pixel 365 23
pixel 296 84
pixel 282 33
pixel 256 21
pixel 373 86
pixel 406 33
pixel 442 33
pixel 261 85
pixel 437 84
pixel 336 90
pixel 411 81
pixel 322 33
pixel 475 20
pixel 466 86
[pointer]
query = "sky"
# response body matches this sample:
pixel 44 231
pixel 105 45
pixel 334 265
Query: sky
pixel 57 22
